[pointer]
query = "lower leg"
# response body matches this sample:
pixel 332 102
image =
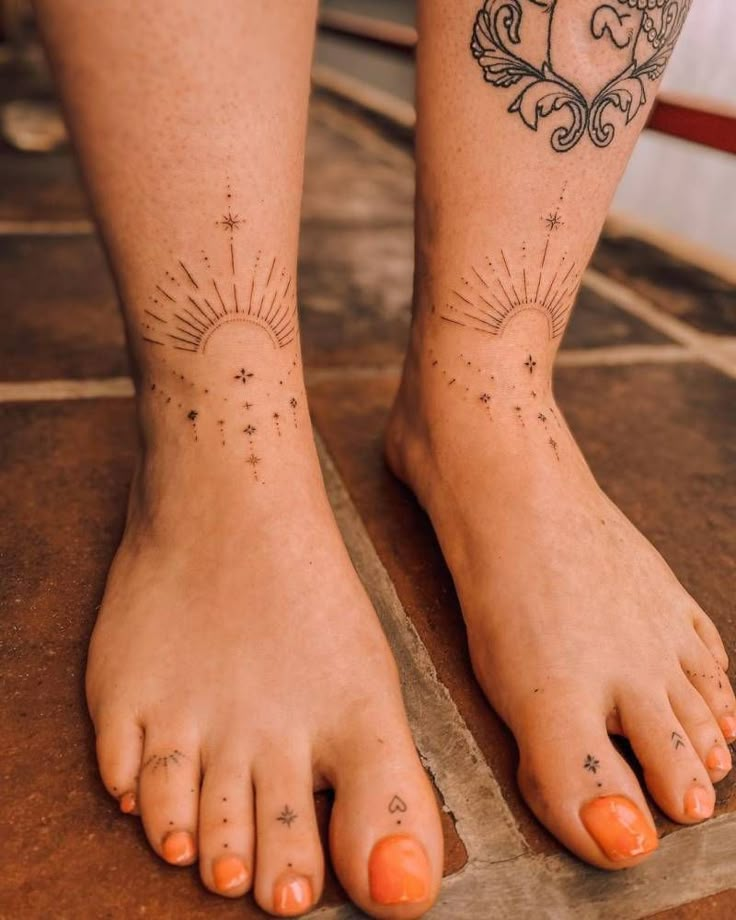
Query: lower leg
pixel 217 703
pixel 577 627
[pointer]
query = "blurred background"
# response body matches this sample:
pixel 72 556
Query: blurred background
pixel 670 184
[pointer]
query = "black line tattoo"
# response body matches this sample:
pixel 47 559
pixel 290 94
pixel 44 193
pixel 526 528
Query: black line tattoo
pixel 591 764
pixel 599 56
pixel 397 805
pixel 677 740
pixel 156 761
pixel 287 816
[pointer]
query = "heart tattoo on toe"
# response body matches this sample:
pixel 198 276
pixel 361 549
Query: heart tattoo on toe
pixel 396 805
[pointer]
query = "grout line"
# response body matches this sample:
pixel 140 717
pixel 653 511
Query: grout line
pixel 122 387
pixel 52 390
pixel 46 227
pixel 702 346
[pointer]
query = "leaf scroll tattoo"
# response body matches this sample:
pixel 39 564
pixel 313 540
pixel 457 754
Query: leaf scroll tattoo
pixel 598 55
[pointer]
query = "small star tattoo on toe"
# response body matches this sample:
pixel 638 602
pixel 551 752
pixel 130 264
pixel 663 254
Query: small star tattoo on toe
pixel 591 764
pixel 287 816
pixel 530 363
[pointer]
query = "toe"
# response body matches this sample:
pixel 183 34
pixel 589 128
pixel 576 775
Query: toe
pixel 289 859
pixel 703 730
pixel 580 787
pixel 711 682
pixel 673 770
pixel 708 632
pixel 385 833
pixel 226 826
pixel 119 750
pixel 168 790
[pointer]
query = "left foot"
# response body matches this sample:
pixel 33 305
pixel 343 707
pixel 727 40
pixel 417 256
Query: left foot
pixel 577 627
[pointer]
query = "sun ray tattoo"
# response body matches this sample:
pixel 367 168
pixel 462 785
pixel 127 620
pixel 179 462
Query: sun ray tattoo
pixel 504 287
pixel 187 319
pixel 598 57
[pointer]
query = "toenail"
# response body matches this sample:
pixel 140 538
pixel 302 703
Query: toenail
pixel 127 802
pixel 292 895
pixel 728 727
pixel 178 847
pixel 229 872
pixel 618 827
pixel 698 803
pixel 399 871
pixel 718 758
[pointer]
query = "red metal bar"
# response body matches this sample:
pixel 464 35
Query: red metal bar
pixel 701 122
pixel 696 120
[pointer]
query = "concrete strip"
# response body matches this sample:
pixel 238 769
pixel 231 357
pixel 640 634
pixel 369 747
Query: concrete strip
pixel 448 749
pixel 705 347
pixel 386 105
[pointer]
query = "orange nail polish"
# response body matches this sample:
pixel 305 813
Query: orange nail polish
pixel 178 847
pixel 718 759
pixel 229 873
pixel 127 803
pixel 728 727
pixel 618 827
pixel 292 895
pixel 399 871
pixel 698 803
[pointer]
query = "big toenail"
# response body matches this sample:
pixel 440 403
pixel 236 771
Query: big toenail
pixel 728 727
pixel 178 847
pixel 229 872
pixel 127 803
pixel 399 871
pixel 618 827
pixel 292 895
pixel 698 803
pixel 718 759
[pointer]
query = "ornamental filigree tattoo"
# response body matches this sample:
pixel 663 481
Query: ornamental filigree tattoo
pixel 593 56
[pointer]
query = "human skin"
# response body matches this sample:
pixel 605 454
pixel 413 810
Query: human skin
pixel 236 664
pixel 577 627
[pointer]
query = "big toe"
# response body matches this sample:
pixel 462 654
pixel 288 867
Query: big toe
pixel 582 790
pixel 385 833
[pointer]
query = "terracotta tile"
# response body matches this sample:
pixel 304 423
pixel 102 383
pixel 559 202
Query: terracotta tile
pixel 347 182
pixel 661 440
pixel 65 849
pixel 597 323
pixel 355 296
pixel 718 907
pixel 58 310
pixel 681 289
pixel 40 187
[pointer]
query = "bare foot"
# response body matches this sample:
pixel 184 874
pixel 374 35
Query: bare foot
pixel 577 627
pixel 237 664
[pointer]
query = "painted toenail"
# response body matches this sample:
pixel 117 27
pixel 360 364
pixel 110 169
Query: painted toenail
pixel 399 871
pixel 718 759
pixel 728 727
pixel 698 803
pixel 127 803
pixel 178 847
pixel 618 827
pixel 229 872
pixel 292 895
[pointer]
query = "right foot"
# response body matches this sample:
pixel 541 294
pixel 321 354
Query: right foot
pixel 237 663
